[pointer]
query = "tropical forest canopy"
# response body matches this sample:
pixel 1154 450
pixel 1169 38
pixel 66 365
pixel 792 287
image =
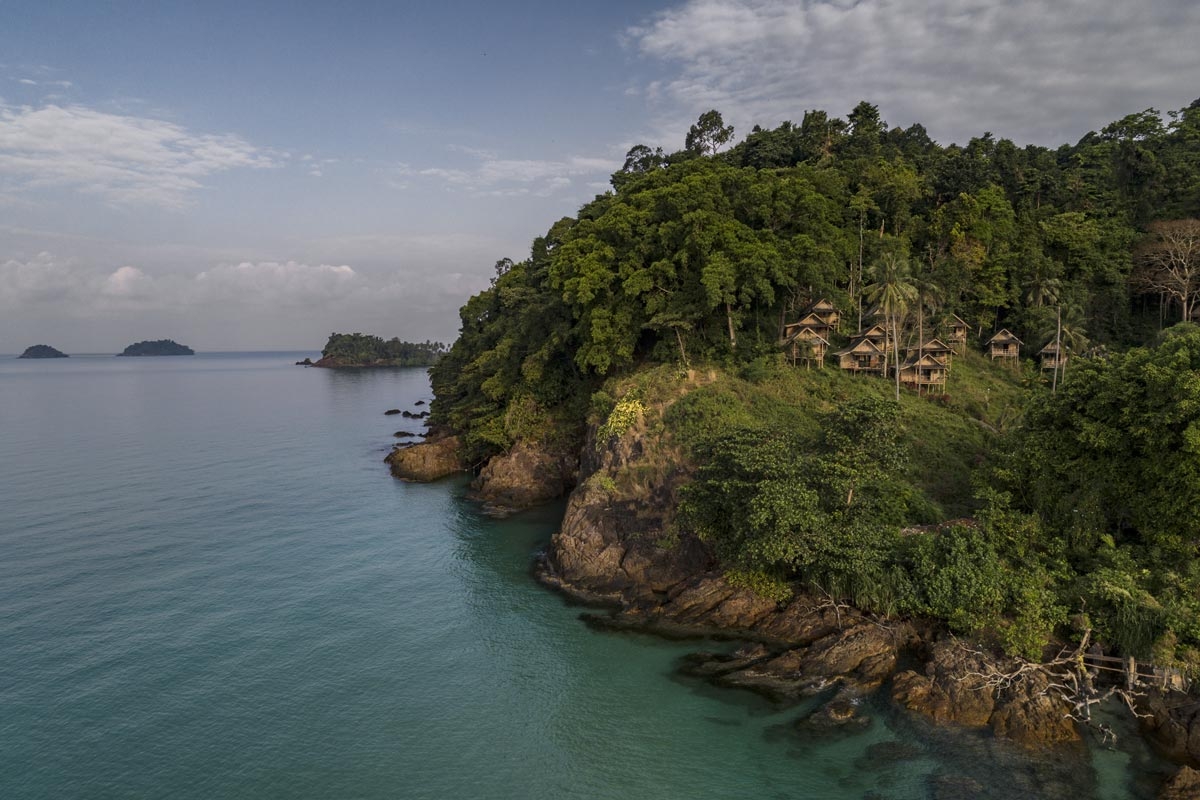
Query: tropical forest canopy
pixel 700 256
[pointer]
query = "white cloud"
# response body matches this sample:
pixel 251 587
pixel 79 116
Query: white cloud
pixel 275 284
pixel 504 177
pixel 127 282
pixel 38 281
pixel 122 159
pixel 1042 71
pixel 69 287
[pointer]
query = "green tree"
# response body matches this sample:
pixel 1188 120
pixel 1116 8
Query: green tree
pixel 709 134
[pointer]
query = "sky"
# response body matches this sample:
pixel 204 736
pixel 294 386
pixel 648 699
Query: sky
pixel 256 175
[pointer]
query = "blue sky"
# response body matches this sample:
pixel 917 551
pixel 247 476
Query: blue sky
pixel 256 175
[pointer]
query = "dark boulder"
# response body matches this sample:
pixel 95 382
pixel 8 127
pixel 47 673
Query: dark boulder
pixel 1183 785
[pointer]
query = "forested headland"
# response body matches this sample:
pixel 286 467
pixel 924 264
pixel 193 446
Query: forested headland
pixel 1014 505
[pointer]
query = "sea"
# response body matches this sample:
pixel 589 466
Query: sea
pixel 211 587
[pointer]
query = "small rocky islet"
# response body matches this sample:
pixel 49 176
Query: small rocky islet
pixel 43 351
pixel 363 351
pixel 158 347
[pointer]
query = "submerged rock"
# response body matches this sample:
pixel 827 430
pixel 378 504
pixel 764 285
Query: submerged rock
pixel 885 756
pixel 841 716
pixel 391 412
pixel 947 786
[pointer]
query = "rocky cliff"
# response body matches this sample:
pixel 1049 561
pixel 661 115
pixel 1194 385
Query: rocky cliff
pixel 619 544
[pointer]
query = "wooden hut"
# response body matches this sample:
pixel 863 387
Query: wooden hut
pixel 877 334
pixel 933 347
pixel 1004 344
pixel 863 355
pixel 1053 356
pixel 956 330
pixel 825 311
pixel 811 321
pixel 926 370
pixel 805 344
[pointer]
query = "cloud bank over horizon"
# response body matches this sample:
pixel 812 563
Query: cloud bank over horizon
pixel 83 308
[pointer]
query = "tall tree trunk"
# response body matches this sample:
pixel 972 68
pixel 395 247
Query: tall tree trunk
pixel 1058 359
pixel 682 352
pixel 729 320
pixel 861 221
pixel 920 338
pixel 896 350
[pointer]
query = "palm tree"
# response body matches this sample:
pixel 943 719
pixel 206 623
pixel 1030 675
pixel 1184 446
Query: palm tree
pixel 892 288
pixel 1069 336
pixel 1072 334
pixel 1042 287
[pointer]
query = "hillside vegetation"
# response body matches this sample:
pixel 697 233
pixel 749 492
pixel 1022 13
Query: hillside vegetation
pixel 1079 485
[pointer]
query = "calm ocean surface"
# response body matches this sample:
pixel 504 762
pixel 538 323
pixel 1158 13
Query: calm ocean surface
pixel 211 587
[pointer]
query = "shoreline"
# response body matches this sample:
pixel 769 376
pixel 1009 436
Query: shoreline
pixel 605 557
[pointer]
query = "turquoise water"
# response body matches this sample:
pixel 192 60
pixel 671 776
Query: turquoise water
pixel 210 587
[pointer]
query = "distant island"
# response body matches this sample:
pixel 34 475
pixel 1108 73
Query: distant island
pixel 161 347
pixel 351 350
pixel 42 351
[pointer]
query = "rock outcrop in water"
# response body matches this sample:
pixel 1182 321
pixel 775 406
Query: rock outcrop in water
pixel 434 458
pixel 525 476
pixel 954 687
pixel 1171 720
